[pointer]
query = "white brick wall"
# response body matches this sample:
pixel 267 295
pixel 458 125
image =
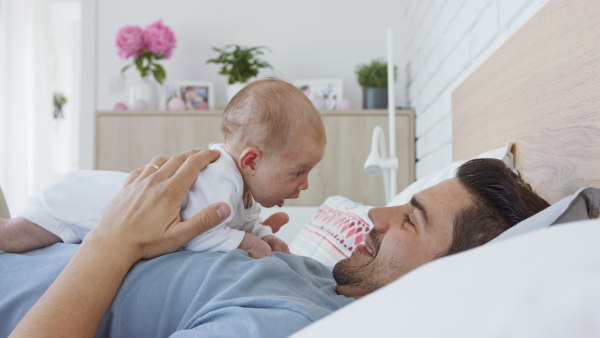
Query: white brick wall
pixel 445 41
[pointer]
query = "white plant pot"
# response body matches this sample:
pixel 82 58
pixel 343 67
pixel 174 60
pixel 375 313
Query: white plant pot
pixel 143 95
pixel 233 89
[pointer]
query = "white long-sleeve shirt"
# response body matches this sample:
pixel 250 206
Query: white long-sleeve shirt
pixel 73 205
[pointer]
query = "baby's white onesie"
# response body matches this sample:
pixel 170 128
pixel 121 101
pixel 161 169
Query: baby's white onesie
pixel 73 205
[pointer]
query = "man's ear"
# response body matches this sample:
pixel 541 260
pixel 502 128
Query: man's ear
pixel 249 159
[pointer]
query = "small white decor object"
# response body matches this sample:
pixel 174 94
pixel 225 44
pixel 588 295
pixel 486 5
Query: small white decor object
pixel 143 95
pixel 325 94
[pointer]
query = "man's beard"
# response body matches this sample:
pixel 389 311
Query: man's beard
pixel 361 277
pixel 346 274
pixel 358 276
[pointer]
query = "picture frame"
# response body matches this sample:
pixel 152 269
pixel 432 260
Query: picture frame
pixel 189 95
pixel 325 94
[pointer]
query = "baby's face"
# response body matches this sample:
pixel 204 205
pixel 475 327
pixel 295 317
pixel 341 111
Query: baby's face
pixel 283 177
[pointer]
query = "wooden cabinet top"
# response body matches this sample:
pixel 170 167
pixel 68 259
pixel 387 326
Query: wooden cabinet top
pixel 352 112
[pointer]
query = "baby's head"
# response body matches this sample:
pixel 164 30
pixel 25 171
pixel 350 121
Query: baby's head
pixel 276 136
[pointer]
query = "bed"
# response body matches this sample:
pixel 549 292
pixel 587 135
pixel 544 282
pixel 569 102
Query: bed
pixel 536 98
pixel 533 104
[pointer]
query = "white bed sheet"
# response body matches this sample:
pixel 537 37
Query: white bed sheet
pixel 541 284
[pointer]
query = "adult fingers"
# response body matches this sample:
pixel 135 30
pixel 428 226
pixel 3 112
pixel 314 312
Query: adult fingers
pixel 154 165
pixel 176 161
pixel 206 219
pixel 188 172
pixel 133 175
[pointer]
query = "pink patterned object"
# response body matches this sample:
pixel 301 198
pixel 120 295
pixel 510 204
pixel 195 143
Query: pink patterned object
pixel 120 106
pixel 160 39
pixel 334 231
pixel 130 42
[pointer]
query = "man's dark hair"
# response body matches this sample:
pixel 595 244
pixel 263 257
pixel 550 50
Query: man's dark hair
pixel 501 199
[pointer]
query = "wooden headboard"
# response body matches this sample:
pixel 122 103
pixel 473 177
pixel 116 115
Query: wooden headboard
pixel 540 90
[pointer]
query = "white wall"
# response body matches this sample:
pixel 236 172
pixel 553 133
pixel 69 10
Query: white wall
pixel 309 39
pixel 437 45
pixel 444 42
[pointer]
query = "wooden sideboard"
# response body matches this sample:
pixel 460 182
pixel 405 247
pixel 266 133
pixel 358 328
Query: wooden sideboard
pixel 126 140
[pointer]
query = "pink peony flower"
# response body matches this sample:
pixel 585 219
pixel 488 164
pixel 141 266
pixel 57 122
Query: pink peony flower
pixel 130 42
pixel 159 39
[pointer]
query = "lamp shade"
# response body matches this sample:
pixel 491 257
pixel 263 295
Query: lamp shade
pixel 373 164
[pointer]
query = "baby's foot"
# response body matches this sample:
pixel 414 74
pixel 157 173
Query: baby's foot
pixel 20 235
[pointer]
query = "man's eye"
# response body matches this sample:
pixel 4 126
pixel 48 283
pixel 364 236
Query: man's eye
pixel 299 173
pixel 407 219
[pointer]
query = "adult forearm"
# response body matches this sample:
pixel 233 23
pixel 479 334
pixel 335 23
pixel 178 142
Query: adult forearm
pixel 76 302
pixel 142 221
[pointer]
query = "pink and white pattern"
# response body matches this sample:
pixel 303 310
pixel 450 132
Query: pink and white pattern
pixel 334 231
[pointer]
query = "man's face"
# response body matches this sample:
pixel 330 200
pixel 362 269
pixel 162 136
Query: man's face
pixel 402 239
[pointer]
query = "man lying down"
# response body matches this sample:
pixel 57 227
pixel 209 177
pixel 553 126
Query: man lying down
pixel 230 294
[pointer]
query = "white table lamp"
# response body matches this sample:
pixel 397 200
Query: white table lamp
pixel 378 160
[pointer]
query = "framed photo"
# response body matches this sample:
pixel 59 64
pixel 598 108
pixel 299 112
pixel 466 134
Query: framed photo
pixel 189 95
pixel 325 94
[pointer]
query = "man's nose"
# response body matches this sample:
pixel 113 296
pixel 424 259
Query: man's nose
pixel 380 222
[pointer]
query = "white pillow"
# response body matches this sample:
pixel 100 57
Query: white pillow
pixel 448 172
pixel 541 284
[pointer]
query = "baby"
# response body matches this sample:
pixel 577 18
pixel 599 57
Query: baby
pixel 273 137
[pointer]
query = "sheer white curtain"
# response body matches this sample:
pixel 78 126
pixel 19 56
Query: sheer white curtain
pixel 27 81
pixel 17 100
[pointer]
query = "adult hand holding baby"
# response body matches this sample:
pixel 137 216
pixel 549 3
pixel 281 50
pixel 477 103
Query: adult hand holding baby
pixel 145 213
pixel 142 221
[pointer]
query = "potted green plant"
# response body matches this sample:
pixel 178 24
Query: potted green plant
pixel 59 101
pixel 373 79
pixel 240 64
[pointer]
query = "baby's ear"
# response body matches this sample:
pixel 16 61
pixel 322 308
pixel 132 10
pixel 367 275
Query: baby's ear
pixel 249 159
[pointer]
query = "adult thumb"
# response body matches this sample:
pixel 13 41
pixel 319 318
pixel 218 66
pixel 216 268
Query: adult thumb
pixel 209 217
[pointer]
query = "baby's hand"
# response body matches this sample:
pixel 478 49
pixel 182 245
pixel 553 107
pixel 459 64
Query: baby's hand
pixel 277 220
pixel 254 246
pixel 276 244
